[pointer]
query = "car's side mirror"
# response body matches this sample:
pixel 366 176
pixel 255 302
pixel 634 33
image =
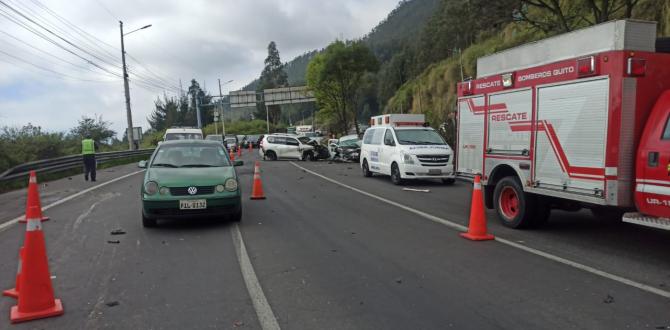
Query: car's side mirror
pixel 142 164
pixel 238 163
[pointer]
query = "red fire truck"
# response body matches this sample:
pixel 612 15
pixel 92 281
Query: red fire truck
pixel 572 121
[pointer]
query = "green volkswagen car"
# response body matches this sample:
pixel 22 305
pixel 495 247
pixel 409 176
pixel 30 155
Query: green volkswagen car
pixel 190 178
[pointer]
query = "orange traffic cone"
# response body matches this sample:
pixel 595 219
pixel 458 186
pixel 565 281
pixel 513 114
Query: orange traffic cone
pixel 33 197
pixel 36 297
pixel 251 148
pixel 477 228
pixel 232 155
pixel 257 189
pixel 239 151
pixel 14 292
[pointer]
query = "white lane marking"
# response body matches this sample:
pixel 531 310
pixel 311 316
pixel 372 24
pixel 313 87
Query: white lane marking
pixel 264 312
pixel 456 226
pixel 6 225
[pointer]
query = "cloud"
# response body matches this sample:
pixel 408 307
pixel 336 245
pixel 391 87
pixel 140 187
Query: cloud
pixel 205 40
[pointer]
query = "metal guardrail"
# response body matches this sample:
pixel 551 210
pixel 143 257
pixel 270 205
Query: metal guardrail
pixel 67 162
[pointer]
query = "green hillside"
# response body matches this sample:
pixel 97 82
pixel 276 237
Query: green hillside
pixel 432 91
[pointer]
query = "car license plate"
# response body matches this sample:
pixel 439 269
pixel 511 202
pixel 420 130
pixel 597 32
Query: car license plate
pixel 434 171
pixel 193 204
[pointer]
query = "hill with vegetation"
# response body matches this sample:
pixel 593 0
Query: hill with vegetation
pixel 439 65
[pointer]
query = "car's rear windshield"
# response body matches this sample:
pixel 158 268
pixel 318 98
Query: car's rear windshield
pixel 183 136
pixel 190 155
pixel 422 136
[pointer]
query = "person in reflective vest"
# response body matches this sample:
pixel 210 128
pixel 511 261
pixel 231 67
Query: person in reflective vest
pixel 88 148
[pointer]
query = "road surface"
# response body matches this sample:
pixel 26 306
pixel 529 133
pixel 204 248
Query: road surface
pixel 330 249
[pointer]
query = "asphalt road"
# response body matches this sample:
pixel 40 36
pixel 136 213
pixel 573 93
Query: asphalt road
pixel 328 257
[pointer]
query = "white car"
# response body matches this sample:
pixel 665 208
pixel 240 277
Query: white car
pixel 182 133
pixel 276 146
pixel 404 149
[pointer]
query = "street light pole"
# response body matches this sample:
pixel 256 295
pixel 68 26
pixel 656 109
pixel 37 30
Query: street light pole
pixel 223 118
pixel 129 116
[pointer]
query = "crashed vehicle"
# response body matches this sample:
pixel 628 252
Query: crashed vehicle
pixel 320 150
pixel 348 148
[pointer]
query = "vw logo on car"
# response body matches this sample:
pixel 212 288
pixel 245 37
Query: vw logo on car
pixel 192 190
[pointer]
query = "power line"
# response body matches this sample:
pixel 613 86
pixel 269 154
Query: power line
pixel 41 35
pixel 84 43
pixel 47 69
pixel 53 33
pixel 89 38
pixel 47 53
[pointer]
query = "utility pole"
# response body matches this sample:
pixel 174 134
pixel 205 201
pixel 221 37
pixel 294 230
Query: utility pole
pixel 129 116
pixel 223 119
pixel 267 117
pixel 197 107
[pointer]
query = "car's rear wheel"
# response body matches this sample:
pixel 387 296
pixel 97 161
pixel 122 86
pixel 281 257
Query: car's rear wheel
pixel 366 169
pixel 271 155
pixel 395 174
pixel 148 222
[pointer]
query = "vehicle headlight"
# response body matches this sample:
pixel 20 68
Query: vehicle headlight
pixel 231 184
pixel 407 159
pixel 164 191
pixel 151 187
pixel 219 188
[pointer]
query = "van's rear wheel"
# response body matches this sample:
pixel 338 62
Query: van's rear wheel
pixel 395 174
pixel 366 169
pixel 514 207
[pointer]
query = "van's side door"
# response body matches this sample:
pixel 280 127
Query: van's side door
pixel 388 149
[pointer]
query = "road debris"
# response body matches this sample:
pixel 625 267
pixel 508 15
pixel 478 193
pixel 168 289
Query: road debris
pixel 118 232
pixel 113 242
pixel 398 280
pixel 112 303
pixel 609 299
pixel 417 190
pixel 238 324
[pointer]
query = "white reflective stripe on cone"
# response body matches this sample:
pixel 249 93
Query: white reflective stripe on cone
pixel 34 224
pixel 478 186
pixel 33 179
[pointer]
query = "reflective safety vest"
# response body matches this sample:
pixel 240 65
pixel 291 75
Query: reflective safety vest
pixel 87 147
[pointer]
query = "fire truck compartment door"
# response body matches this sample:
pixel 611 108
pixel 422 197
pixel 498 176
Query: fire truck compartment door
pixel 471 118
pixel 571 136
pixel 509 126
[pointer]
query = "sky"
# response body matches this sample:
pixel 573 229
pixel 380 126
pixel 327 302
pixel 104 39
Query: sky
pixel 48 86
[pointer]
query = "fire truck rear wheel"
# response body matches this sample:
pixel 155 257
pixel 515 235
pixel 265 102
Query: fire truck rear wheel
pixel 515 208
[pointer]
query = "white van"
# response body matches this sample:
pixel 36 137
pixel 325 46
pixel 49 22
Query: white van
pixel 182 133
pixel 404 148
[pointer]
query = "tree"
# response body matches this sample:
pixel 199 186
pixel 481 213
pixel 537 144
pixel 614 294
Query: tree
pixel 335 75
pixel 272 76
pixel 95 127
pixel 165 114
pixel 555 16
